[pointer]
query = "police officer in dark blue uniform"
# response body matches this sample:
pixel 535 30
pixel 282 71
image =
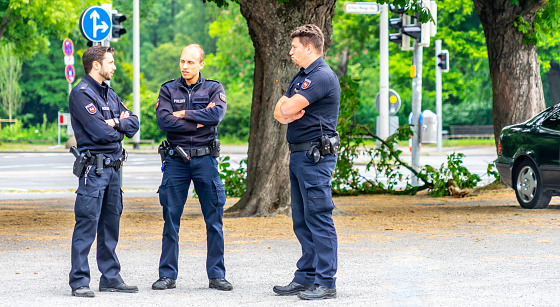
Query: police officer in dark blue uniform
pixel 100 120
pixel 189 109
pixel 310 108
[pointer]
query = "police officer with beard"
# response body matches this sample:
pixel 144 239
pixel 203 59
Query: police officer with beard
pixel 100 121
pixel 189 109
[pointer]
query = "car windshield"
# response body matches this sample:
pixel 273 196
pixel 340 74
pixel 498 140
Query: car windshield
pixel 538 116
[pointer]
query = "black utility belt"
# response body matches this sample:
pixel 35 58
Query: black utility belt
pixel 317 150
pixel 303 146
pixel 190 153
pixel 85 159
pixel 166 149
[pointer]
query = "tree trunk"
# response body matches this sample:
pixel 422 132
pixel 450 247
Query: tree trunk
pixel 342 63
pixel 270 24
pixel 554 81
pixel 514 66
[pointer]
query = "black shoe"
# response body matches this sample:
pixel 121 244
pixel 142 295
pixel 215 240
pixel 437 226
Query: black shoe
pixel 292 289
pixel 317 292
pixel 120 288
pixel 83 292
pixel 220 284
pixel 164 283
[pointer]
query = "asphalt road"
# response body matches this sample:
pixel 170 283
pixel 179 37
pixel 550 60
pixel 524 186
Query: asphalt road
pixel 51 173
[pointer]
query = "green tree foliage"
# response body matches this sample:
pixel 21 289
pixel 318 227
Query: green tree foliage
pixel 233 66
pixel 28 24
pixel 467 94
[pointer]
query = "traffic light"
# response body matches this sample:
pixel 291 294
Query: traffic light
pixel 399 24
pixel 118 30
pixel 443 58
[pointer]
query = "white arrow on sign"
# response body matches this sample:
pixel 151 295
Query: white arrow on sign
pixel 96 27
pixel 366 8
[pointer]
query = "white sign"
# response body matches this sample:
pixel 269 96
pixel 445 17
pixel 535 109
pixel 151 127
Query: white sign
pixel 366 8
pixel 68 60
pixel 63 118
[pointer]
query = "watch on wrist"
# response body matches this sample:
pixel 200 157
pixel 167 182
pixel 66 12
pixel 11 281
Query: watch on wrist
pixel 117 122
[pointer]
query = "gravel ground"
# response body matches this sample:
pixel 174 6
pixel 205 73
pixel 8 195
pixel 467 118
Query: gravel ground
pixel 393 251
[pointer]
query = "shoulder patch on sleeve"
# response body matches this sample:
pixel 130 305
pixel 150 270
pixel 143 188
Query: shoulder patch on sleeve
pixel 91 108
pixel 157 103
pixel 223 97
pixel 305 84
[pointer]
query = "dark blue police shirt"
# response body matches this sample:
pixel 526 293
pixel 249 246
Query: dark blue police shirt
pixel 319 85
pixel 90 104
pixel 174 95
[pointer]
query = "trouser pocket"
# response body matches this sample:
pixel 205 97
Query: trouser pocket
pixel 319 196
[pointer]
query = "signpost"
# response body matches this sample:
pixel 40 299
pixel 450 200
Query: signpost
pixel 70 74
pixel 95 24
pixel 372 8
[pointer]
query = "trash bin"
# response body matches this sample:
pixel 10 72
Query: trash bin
pixel 429 127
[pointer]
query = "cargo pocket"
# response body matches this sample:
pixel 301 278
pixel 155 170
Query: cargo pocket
pixel 162 191
pixel 87 204
pixel 218 193
pixel 319 196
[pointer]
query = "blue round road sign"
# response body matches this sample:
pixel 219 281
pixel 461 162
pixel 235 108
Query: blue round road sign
pixel 70 73
pixel 95 24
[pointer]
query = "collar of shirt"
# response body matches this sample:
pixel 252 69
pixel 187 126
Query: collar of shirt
pixel 313 65
pixel 190 87
pixel 100 89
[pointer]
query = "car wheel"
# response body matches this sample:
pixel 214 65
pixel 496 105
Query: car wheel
pixel 528 187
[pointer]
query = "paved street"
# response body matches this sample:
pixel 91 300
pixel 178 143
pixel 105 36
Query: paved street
pixel 23 174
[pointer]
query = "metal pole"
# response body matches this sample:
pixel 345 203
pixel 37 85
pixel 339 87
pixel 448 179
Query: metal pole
pixel 136 67
pixel 384 73
pixel 438 97
pixel 416 109
pixel 58 121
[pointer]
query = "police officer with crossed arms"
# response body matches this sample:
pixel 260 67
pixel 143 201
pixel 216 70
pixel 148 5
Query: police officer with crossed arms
pixel 310 108
pixel 189 109
pixel 100 121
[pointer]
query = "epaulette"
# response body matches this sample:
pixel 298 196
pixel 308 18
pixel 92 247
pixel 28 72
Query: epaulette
pixel 83 85
pixel 164 83
pixel 212 80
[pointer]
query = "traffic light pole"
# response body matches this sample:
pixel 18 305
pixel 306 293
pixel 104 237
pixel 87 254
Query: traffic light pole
pixel 384 73
pixel 438 97
pixel 416 109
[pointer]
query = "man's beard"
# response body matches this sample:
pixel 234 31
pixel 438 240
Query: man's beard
pixel 105 74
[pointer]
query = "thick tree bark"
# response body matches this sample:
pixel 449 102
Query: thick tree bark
pixel 554 81
pixel 4 23
pixel 514 66
pixel 270 24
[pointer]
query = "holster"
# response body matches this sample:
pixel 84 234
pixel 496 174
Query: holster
pixel 163 150
pixel 214 148
pixel 330 145
pixel 82 161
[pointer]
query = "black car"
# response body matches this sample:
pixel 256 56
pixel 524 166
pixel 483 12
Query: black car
pixel 529 158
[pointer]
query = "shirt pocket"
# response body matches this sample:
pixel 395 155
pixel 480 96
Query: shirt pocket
pixel 200 102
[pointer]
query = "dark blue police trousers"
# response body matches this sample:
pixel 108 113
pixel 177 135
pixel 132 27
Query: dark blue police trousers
pixel 312 207
pixel 98 210
pixel 173 192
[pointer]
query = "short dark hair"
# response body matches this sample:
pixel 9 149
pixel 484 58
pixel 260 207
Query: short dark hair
pixel 95 53
pixel 310 34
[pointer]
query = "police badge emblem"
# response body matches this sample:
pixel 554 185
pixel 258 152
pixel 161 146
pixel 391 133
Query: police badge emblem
pixel 305 84
pixel 157 103
pixel 91 108
pixel 223 97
